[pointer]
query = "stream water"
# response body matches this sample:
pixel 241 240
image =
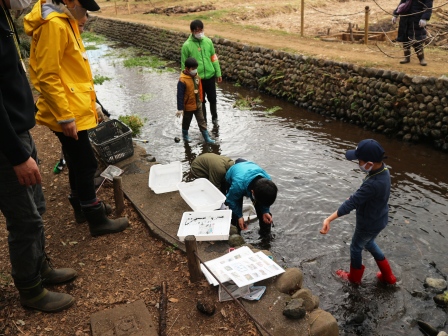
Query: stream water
pixel 304 154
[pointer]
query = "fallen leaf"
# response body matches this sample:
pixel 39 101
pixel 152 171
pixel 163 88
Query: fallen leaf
pixel 173 300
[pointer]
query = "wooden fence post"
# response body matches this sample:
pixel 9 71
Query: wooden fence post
pixel 366 26
pixel 118 196
pixel 193 262
pixel 302 17
pixel 116 11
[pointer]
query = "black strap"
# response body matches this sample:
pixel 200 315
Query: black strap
pixel 8 14
pixel 72 31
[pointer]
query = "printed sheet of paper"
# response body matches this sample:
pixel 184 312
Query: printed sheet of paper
pixel 251 268
pixel 217 265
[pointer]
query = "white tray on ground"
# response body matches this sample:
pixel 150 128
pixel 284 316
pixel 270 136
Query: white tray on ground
pixel 201 195
pixel 205 225
pixel 165 177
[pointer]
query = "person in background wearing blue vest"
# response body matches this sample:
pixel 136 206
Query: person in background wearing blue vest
pixel 201 48
pixel 372 209
pixel 189 100
pixel 246 178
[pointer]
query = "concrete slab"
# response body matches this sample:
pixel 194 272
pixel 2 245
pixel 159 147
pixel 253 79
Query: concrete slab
pixel 132 319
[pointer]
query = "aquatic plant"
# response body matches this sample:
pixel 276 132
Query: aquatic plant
pixel 98 79
pixel 246 103
pixel 134 122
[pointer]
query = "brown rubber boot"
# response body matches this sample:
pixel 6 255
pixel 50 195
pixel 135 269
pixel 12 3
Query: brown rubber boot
pixel 37 297
pixel 54 276
pixel 407 56
pixel 99 224
pixel 421 58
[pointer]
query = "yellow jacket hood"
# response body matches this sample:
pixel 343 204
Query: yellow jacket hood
pixel 59 68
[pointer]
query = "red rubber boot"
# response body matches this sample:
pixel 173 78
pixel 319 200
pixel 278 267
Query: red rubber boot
pixel 386 274
pixel 353 276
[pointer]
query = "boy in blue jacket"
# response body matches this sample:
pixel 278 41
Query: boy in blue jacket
pixel 370 202
pixel 246 178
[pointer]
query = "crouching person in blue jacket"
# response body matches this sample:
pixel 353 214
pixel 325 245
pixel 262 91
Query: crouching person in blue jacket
pixel 246 178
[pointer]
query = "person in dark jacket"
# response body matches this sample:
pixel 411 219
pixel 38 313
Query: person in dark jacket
pixel 370 202
pixel 21 198
pixel 411 28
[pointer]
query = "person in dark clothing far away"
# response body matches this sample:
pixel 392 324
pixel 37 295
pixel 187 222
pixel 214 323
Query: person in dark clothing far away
pixel 411 28
pixel 372 209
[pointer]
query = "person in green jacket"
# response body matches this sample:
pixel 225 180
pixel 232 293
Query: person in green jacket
pixel 201 48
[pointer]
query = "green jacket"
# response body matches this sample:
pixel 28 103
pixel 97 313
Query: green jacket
pixel 204 52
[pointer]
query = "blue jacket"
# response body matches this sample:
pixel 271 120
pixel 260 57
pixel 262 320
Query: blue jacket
pixel 370 202
pixel 239 177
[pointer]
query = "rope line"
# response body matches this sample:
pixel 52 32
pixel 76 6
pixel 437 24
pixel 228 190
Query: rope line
pixel 423 11
pixel 314 8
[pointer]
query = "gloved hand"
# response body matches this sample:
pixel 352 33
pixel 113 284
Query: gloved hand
pixel 179 113
pixel 422 23
pixel 394 19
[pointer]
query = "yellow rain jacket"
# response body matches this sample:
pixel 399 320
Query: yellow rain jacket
pixel 59 68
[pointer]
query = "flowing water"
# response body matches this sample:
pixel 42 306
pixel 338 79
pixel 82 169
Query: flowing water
pixel 304 154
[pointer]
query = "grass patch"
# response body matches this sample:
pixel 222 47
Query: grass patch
pixel 247 103
pixel 144 61
pixel 98 79
pixel 273 109
pixel 91 47
pixel 146 97
pixel 94 38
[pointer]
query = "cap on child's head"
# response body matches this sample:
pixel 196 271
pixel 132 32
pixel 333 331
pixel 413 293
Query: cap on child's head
pixel 367 150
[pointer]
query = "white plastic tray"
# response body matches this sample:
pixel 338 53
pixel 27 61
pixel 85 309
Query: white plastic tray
pixel 165 177
pixel 201 195
pixel 205 225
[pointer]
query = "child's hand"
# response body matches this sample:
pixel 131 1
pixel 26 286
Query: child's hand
pixel 267 218
pixel 325 226
pixel 179 113
pixel 242 224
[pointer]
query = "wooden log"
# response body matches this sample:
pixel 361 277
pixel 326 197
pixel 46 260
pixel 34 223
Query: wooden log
pixel 194 268
pixel 366 25
pixel 163 308
pixel 118 196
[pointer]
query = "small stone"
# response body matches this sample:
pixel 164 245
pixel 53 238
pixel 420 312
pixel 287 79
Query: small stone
pixel 436 284
pixel 294 309
pixel 206 306
pixel 441 299
pixel 176 139
pixel 236 240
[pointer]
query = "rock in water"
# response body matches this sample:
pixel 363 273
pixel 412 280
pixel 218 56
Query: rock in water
pixel 176 139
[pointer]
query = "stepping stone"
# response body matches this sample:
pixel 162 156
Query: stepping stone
pixel 128 320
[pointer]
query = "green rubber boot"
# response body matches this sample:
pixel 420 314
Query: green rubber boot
pixel 54 276
pixel 39 298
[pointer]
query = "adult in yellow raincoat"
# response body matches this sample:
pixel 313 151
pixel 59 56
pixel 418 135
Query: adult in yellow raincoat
pixel 60 71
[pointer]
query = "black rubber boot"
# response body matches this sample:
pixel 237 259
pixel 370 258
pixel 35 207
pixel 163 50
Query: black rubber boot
pixel 54 276
pixel 79 215
pixel 421 58
pixel 37 297
pixel 99 224
pixel 407 56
